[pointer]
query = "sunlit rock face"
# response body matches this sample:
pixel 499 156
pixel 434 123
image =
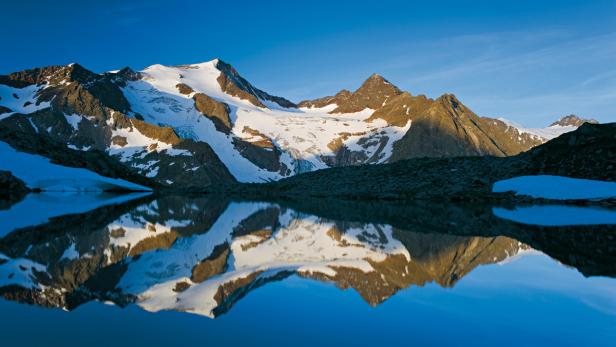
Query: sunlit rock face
pixel 202 255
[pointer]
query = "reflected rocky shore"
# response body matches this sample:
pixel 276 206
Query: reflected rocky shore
pixel 203 254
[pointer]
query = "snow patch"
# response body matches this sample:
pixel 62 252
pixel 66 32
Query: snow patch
pixel 39 173
pixel 557 187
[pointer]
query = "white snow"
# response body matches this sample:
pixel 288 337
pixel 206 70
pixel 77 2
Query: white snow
pixel 138 145
pixel 38 172
pixel 546 133
pixel 557 215
pixel 19 272
pixel 557 187
pixel 301 134
pixel 70 253
pixel 139 229
pixel 18 104
pixel 73 120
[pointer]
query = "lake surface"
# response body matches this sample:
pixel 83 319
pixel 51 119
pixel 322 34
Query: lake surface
pixel 150 271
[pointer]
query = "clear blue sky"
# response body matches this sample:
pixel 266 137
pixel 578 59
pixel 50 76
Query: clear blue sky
pixel 529 61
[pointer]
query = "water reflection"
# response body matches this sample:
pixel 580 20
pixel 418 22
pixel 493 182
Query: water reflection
pixel 204 254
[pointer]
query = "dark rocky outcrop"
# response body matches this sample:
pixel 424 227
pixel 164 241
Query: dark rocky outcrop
pixel 339 99
pixel 184 88
pixel 218 112
pixel 12 189
pixel 4 109
pixel 265 157
pixel 233 84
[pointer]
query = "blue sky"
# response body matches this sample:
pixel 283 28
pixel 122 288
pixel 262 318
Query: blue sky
pixel 529 61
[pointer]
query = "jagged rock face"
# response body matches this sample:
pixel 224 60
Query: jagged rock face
pixel 217 111
pixel 509 139
pixel 373 93
pixel 573 120
pixel 339 99
pixel 402 108
pixel 446 128
pixel 232 83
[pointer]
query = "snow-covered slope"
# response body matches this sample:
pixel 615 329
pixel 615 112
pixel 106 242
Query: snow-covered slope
pixel 303 136
pixel 543 134
pixel 39 173
pixel 557 187
pixel 20 100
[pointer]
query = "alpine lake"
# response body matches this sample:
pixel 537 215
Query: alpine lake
pixel 153 270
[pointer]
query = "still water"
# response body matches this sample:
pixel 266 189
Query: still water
pixel 140 270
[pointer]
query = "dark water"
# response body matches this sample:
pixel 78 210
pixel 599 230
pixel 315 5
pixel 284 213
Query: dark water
pixel 109 270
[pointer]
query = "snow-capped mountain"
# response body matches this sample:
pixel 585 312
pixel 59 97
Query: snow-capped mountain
pixel 563 125
pixel 204 126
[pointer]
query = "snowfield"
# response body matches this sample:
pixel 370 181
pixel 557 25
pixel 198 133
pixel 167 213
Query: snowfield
pixel 39 173
pixel 302 135
pixel 21 100
pixel 546 133
pixel 557 187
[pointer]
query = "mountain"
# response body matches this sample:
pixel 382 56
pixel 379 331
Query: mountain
pixel 540 135
pixel 572 121
pixel 68 110
pixel 205 127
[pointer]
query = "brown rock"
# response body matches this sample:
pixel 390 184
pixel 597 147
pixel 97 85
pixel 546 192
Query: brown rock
pixel 184 88
pixel 217 111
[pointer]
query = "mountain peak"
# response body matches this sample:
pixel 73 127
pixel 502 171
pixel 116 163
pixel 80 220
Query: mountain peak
pixel 572 120
pixel 377 81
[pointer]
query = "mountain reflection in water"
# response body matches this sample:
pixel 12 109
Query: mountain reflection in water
pixel 203 254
